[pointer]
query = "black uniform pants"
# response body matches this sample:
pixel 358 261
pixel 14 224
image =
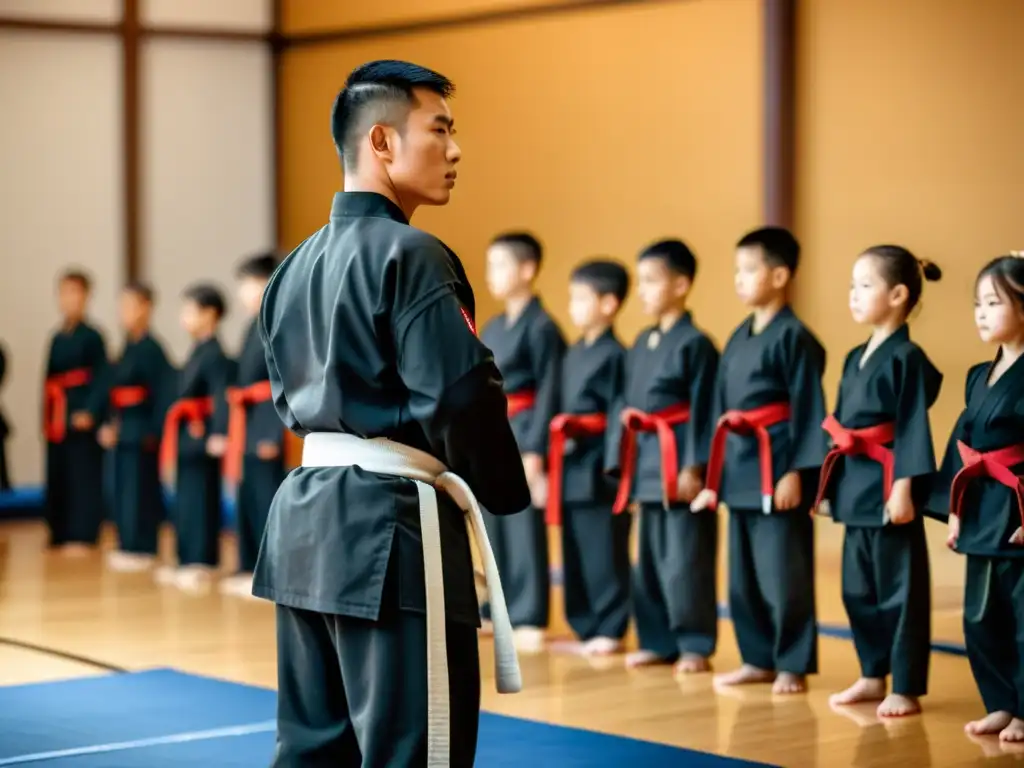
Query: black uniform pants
pixel 771 589
pixel 994 630
pixel 74 489
pixel 260 480
pixel 674 582
pixel 197 515
pixel 137 498
pixel 887 594
pixel 353 692
pixel 520 545
pixel 595 555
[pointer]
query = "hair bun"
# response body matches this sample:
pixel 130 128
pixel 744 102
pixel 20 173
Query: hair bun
pixel 930 270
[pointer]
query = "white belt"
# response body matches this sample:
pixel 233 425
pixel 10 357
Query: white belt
pixel 386 457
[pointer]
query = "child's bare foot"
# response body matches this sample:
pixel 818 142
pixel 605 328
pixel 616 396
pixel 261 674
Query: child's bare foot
pixel 601 646
pixel 898 705
pixel 994 722
pixel 865 689
pixel 528 639
pixel 486 627
pixel 745 675
pixel 1014 732
pixel 692 664
pixel 566 646
pixel 787 683
pixel 643 659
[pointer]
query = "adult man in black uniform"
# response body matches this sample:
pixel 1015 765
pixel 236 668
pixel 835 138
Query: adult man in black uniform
pixel 373 359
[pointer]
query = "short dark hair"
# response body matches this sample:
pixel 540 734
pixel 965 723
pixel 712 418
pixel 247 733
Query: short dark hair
pixel 140 289
pixel 778 246
pixel 604 276
pixel 76 276
pixel 378 91
pixel 676 255
pixel 525 247
pixel 898 266
pixel 262 265
pixel 1007 275
pixel 206 296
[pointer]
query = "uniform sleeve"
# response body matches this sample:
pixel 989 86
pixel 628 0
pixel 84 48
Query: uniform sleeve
pixel 547 348
pixel 805 367
pixel 616 383
pixel 220 376
pixel 938 500
pixel 162 380
pixel 98 403
pixel 913 451
pixel 701 366
pixel 455 393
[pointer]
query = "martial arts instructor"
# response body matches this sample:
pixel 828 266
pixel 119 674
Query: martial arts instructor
pixel 370 339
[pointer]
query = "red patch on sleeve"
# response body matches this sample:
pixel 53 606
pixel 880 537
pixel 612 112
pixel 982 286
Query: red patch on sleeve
pixel 468 319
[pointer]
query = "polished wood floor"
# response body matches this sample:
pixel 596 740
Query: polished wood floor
pixel 78 607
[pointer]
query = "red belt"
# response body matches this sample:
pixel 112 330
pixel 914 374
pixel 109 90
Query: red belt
pixel 756 422
pixel 520 401
pixel 869 441
pixel 239 399
pixel 993 464
pixel 128 396
pixel 55 401
pixel 563 426
pixel 661 422
pixel 192 409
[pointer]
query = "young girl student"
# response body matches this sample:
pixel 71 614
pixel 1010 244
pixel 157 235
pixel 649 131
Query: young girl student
pixel 874 479
pixel 980 477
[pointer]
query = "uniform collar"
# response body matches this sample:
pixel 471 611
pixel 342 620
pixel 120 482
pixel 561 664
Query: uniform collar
pixel 359 204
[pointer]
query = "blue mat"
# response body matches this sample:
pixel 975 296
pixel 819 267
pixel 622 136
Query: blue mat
pixel 165 719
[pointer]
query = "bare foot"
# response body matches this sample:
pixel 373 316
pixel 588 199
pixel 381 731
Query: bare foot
pixel 601 646
pixel 1014 732
pixel 564 645
pixel 528 639
pixel 643 659
pixel 787 683
pixel 76 550
pixel 865 689
pixel 745 675
pixel 898 705
pixel 991 723
pixel 486 628
pixel 691 664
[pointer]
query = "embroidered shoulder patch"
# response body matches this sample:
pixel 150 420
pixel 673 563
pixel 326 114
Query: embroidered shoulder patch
pixel 469 320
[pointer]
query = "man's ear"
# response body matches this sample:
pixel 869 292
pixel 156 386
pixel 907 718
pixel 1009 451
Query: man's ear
pixel 382 142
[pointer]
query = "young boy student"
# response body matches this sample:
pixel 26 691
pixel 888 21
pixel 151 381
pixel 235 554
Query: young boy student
pixel 255 455
pixel 194 440
pixel 528 349
pixel 595 543
pixel 765 456
pixel 142 384
pixel 74 405
pixel 659 450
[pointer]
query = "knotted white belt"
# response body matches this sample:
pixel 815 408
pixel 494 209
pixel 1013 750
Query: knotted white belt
pixel 386 457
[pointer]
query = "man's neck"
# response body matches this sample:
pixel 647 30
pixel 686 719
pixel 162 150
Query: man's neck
pixel 356 183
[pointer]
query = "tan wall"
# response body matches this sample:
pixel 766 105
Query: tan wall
pixel 599 130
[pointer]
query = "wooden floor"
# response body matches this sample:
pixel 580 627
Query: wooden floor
pixel 78 607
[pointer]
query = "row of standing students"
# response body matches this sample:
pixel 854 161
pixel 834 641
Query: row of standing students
pixel 205 429
pixel 671 428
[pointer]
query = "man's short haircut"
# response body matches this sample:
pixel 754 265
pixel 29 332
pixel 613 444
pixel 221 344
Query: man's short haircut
pixel 379 92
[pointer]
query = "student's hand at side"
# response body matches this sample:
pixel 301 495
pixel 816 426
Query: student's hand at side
pixel 954 531
pixel 704 500
pixel 900 507
pixel 82 420
pixel 1018 537
pixel 267 450
pixel 533 467
pixel 787 492
pixel 196 429
pixel 689 484
pixel 107 436
pixel 216 445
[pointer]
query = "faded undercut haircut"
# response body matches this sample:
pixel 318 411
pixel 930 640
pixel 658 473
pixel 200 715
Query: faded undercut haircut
pixel 379 92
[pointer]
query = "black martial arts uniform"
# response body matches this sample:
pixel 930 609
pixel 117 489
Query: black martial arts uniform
pixel 5 431
pixel 595 543
pixel 529 354
pixel 769 383
pixel 253 421
pixel 670 377
pixel 387 312
pixel 76 382
pixel 201 402
pixel 991 425
pixel 881 434
pixel 143 385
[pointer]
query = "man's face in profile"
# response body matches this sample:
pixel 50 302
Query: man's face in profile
pixel 426 152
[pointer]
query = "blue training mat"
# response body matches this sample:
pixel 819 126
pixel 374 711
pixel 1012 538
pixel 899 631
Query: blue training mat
pixel 165 719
